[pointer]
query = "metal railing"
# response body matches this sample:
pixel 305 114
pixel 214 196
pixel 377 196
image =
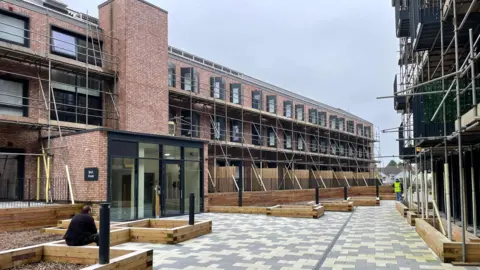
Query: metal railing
pixel 31 192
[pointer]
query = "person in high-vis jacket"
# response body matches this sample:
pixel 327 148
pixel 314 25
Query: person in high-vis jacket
pixel 398 189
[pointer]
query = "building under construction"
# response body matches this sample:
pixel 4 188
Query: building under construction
pixel 436 94
pixel 95 109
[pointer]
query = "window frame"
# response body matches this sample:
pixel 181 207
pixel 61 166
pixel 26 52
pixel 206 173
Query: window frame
pixel 322 116
pixel 26 20
pixel 287 134
pixel 234 122
pixel 300 142
pixel 257 103
pixel 222 133
pixel 25 93
pixel 257 135
pixel 77 37
pixel 285 103
pixel 222 87
pixel 315 114
pixel 270 131
pixel 299 106
pixel 274 98
pixel 77 107
pixel 172 81
pixel 313 144
pixel 234 86
pixel 194 128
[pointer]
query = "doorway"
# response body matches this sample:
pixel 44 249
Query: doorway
pixel 11 174
pixel 172 188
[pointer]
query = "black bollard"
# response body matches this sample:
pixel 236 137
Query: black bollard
pixel 104 249
pixel 376 189
pixel 191 211
pixel 345 193
pixel 317 195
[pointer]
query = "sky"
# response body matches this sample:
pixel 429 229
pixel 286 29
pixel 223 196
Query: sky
pixel 342 53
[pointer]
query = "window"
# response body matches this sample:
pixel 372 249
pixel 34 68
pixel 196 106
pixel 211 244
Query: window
pixel 235 131
pixel 341 149
pixel 334 148
pixel 323 146
pixel 367 132
pixel 312 116
pixel 218 129
pixel 70 93
pixel 313 144
pixel 14 28
pixel 257 135
pixel 236 93
pixel 341 124
pixel 359 129
pixel 287 140
pixel 360 152
pixel 350 151
pixel 217 87
pixel 75 46
pixel 272 104
pixel 190 124
pixel 322 119
pixel 190 79
pixel 257 100
pixel 13 97
pixel 299 112
pixel 300 142
pixel 272 140
pixel 287 109
pixel 333 121
pixel 171 74
pixel 350 126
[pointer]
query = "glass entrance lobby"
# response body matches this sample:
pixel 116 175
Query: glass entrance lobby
pixel 152 176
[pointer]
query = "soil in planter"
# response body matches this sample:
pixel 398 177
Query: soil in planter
pixel 50 266
pixel 11 240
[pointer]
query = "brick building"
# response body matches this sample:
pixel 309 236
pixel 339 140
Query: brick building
pixel 95 109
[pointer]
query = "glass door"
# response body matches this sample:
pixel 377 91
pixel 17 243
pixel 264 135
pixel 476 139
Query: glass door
pixel 172 189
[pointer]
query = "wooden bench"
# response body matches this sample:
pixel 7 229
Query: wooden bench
pixel 401 208
pixel 411 216
pixel 299 211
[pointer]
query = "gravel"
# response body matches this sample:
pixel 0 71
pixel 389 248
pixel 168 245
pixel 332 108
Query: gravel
pixel 50 266
pixel 11 240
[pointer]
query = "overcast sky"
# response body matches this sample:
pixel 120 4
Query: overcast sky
pixel 342 53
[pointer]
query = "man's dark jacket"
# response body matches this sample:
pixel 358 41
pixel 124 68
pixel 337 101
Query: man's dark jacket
pixel 81 227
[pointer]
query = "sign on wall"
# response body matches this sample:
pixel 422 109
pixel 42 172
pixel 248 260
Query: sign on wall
pixel 91 174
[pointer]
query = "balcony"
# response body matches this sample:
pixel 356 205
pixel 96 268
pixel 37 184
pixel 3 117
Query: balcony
pixel 406 150
pixel 402 17
pixel 399 101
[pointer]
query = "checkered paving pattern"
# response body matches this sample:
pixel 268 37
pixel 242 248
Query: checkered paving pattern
pixel 379 238
pixel 373 238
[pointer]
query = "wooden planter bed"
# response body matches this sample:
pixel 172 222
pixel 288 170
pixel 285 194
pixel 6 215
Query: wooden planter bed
pixel 117 235
pixel 122 259
pixel 365 201
pixel 238 210
pixel 448 251
pixel 337 206
pixel 388 197
pixel 411 216
pixel 298 211
pixel 401 208
pixel 164 231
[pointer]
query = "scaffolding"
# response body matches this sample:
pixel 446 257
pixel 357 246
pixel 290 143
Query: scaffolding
pixel 435 91
pixel 48 61
pixel 268 147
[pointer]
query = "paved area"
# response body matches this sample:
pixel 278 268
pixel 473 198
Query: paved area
pixel 370 238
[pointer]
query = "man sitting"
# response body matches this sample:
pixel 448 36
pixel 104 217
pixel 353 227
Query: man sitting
pixel 82 229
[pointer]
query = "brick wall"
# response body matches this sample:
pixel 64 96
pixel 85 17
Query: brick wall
pixel 142 33
pixel 81 151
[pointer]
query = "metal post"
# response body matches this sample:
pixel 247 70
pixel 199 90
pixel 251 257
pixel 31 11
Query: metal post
pixel 416 185
pixel 376 190
pixel 432 181
pixel 345 193
pixel 240 184
pixel 191 210
pixel 472 68
pixel 425 184
pixel 459 138
pixel 446 177
pixel 317 195
pixel 104 249
pixel 474 200
pixel 420 192
pixel 29 192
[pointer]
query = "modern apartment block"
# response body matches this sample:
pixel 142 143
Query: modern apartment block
pixel 105 107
